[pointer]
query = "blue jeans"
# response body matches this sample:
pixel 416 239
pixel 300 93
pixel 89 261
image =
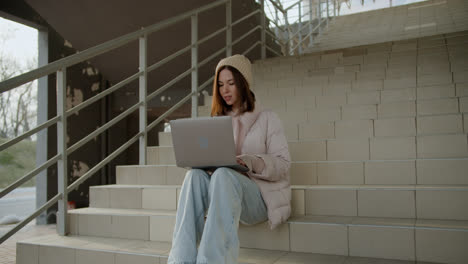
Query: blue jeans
pixel 231 197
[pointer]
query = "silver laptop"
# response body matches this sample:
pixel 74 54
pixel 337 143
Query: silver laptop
pixel 205 143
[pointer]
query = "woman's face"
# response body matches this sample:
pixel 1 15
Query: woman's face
pixel 227 88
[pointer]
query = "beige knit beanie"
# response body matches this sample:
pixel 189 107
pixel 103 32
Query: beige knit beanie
pixel 241 63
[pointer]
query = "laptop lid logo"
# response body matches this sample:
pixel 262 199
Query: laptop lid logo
pixel 203 142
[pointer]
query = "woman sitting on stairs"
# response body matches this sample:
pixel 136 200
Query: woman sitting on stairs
pixel 226 195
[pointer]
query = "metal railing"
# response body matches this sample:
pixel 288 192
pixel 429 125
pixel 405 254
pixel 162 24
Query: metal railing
pixel 295 31
pixel 59 67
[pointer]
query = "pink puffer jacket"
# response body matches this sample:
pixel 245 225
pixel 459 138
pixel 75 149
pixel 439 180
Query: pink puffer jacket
pixel 260 141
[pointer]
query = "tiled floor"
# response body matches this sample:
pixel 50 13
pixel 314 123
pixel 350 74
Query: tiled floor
pixel 8 248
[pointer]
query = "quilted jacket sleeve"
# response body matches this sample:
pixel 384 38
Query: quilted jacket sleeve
pixel 276 159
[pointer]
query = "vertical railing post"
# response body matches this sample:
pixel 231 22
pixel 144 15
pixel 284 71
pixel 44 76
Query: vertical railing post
pixel 263 37
pixel 334 8
pixel 288 34
pixel 311 27
pixel 320 16
pixel 194 22
pixel 300 28
pixel 62 167
pixel 229 28
pixel 42 117
pixel 277 31
pixel 328 11
pixel 143 82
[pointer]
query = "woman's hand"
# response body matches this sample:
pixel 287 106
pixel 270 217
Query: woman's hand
pixel 241 162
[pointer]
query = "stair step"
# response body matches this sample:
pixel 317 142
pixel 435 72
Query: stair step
pixel 65 249
pixel 390 172
pixel 150 174
pixel 404 201
pixel 357 149
pixel 347 236
pixel 360 121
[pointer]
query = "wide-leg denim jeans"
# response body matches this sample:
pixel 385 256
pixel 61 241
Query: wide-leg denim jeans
pixel 229 197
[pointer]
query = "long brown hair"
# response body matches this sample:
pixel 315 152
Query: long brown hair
pixel 246 96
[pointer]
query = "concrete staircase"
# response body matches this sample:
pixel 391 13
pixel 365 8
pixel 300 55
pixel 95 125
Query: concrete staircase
pixel 426 18
pixel 378 139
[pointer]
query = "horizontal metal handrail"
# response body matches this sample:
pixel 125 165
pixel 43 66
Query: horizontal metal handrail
pixel 214 55
pixel 103 128
pixel 29 133
pixel 246 35
pixel 176 106
pixel 169 84
pixel 278 26
pixel 300 30
pixel 168 58
pixel 39 211
pixel 246 17
pixel 277 6
pixel 275 37
pixel 28 176
pixel 274 51
pixel 104 162
pixel 102 94
pixel 251 48
pixel 212 35
pixel 293 5
pixel 99 49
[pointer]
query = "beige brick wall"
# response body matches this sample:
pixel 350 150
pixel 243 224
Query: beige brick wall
pixel 442 204
pixel 355 112
pixel 308 151
pixel 440 124
pixel 316 130
pixel 324 115
pixel 444 171
pixel 348 149
pixel 464 104
pixel 436 92
pixel 398 95
pixel 439 245
pixel 298 202
pixel 356 98
pixel 400 83
pixel 331 202
pixel 395 127
pixel 386 203
pixel 442 146
pixel 465 121
pixel 309 91
pixel 303 173
pixel 340 173
pixel 438 106
pixel 300 103
pixel 390 172
pixel 368 85
pixel 330 101
pixel 393 148
pixel 354 129
pixel 462 89
pixel 437 78
pixel 319 238
pixel 397 109
pixel 374 242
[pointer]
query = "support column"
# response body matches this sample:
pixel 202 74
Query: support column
pixel 42 116
pixel 194 22
pixel 62 166
pixel 229 28
pixel 300 29
pixel 263 37
pixel 142 97
pixel 311 27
